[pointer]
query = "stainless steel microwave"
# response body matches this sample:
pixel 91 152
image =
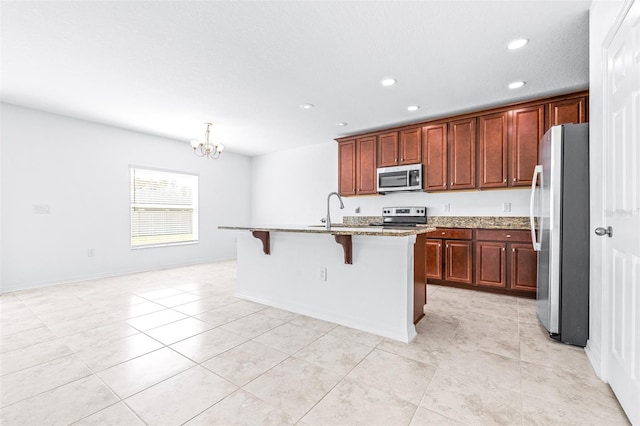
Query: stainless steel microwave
pixel 399 178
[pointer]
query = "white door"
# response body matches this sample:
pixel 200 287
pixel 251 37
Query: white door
pixel 621 211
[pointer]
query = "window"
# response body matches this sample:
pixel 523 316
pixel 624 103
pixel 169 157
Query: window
pixel 164 208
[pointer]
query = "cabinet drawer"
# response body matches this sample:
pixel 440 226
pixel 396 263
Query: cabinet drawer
pixel 517 235
pixel 451 233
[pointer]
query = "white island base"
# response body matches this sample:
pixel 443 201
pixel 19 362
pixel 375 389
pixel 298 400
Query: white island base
pixel 306 273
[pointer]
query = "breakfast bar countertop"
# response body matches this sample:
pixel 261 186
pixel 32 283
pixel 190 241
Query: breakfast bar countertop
pixel 339 229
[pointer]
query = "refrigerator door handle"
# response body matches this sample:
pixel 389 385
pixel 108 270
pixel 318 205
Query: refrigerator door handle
pixel 532 203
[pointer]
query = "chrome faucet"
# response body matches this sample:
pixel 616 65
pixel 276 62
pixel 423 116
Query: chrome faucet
pixel 328 205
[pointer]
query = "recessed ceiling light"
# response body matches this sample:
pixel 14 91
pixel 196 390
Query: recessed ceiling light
pixel 517 84
pixel 517 43
pixel 342 124
pixel 307 106
pixel 388 82
pixel 413 108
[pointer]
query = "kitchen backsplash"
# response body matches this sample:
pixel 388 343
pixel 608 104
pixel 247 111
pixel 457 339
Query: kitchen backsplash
pixel 488 222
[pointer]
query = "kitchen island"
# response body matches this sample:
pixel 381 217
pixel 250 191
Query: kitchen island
pixel 359 277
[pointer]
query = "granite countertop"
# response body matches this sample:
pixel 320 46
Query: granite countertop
pixel 485 222
pixel 338 229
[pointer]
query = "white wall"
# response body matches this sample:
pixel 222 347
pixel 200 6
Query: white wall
pixel 81 170
pixel 602 15
pixel 291 187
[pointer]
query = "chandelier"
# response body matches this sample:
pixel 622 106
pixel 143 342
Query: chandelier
pixel 205 148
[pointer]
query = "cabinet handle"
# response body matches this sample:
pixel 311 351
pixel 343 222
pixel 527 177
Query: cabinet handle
pixel 514 179
pixel 513 250
pixel 451 183
pixel 443 233
pixel 505 181
pixel 508 235
pixel 503 249
pixel 444 184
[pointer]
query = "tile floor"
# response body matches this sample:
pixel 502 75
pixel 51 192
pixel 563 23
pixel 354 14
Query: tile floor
pixel 175 346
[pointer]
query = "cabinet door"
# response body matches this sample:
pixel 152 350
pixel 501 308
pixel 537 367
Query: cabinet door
pixel 491 266
pixel 433 257
pixel 347 167
pixel 524 267
pixel 388 149
pixel 462 154
pixel 493 150
pixel 567 111
pixel 458 261
pixel 411 146
pixel 366 165
pixel 527 126
pixel 434 150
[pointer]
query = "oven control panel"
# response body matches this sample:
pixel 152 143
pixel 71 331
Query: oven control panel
pixel 404 211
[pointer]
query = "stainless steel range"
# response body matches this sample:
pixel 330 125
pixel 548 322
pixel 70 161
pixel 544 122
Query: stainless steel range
pixel 402 216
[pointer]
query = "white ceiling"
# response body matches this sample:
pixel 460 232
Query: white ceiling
pixel 164 67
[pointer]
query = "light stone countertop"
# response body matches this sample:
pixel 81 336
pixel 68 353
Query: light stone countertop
pixel 338 229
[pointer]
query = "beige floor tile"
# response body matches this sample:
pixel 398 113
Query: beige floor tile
pixel 252 325
pixel 19 322
pixel 156 319
pixel 226 314
pixel 160 293
pixel 32 355
pixel 125 312
pixel 294 386
pixel 471 400
pixel 491 334
pixel 70 314
pixel 204 305
pixel 115 415
pixel 87 323
pixel 179 330
pixel 351 403
pixel 208 344
pixel 358 336
pixel 242 408
pixel 245 362
pixel 424 417
pixel 9 342
pixel 178 299
pixel 62 405
pixel 402 377
pixel 422 348
pixel 539 412
pixel 500 307
pixel 29 382
pixel 139 373
pixel 538 348
pixel 98 336
pixel 501 371
pixel 562 386
pixel 108 354
pixel 280 314
pixel 181 397
pixel 316 324
pixel 288 338
pixel 334 353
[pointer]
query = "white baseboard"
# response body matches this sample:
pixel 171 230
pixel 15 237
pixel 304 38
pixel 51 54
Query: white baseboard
pixel 594 354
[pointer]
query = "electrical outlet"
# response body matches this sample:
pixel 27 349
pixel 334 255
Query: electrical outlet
pixel 41 209
pixel 447 207
pixel 322 274
pixel 91 253
pixel 506 207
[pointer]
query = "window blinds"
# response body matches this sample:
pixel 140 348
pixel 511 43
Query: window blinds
pixel 164 207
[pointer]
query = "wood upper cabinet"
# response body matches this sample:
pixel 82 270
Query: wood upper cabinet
pixel 492 131
pixel 366 165
pixel 388 149
pixel 434 159
pixel 347 167
pixel 462 154
pixel 433 258
pixel 411 146
pixel 567 111
pixel 491 264
pixel 458 261
pixel 524 267
pixel 527 126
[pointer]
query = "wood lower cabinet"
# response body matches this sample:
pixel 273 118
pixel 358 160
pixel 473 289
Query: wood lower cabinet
pixel 495 260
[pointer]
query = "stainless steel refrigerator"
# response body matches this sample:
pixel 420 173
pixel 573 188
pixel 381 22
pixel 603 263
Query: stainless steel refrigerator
pixel 560 202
